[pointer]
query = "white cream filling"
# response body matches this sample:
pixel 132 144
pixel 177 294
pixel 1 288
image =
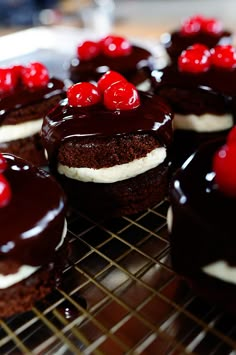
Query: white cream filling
pixel 203 123
pixel 10 133
pixel 25 270
pixel 117 172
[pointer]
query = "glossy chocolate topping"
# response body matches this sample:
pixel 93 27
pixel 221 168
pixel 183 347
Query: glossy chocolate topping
pixel 65 122
pixel 32 222
pixel 198 93
pixel 176 42
pixel 22 96
pixel 203 217
pixel 127 65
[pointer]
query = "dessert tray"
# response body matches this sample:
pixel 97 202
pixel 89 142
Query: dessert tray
pixel 119 294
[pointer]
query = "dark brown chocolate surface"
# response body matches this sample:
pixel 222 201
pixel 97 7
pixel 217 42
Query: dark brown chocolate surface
pixel 20 98
pixel 131 66
pixel 32 222
pixel 176 42
pixel 65 122
pixel 203 217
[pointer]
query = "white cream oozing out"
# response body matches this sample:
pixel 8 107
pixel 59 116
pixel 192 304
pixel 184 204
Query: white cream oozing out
pixel 117 172
pixel 25 270
pixel 10 133
pixel 203 123
pixel 219 269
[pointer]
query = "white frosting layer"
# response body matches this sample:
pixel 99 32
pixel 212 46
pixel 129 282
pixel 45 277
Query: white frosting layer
pixel 203 123
pixel 10 133
pixel 117 172
pixel 221 270
pixel 25 270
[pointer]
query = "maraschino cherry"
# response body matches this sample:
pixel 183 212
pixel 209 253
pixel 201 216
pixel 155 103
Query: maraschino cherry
pixel 115 46
pixel 8 79
pixel 35 75
pixel 88 50
pixel 195 59
pixel 5 190
pixel 121 96
pixel 196 24
pixel 109 78
pixel 223 56
pixel 83 94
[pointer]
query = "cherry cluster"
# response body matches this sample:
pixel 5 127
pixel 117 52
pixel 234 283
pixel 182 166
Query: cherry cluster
pixel 196 24
pixel 198 58
pixel 5 190
pixel 112 88
pixel 33 75
pixel 110 46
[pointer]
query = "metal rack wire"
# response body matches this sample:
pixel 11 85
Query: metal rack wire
pixel 120 296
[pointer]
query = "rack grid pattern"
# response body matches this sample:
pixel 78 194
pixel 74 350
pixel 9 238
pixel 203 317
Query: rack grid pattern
pixel 120 295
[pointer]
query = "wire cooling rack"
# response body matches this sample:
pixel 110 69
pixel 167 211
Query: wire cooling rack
pixel 120 296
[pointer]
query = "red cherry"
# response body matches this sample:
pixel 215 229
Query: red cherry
pixel 223 56
pixel 115 46
pixel 191 26
pixel 224 165
pixel 231 138
pixel 121 96
pixel 35 75
pixel 83 94
pixel 195 59
pixel 211 26
pixel 109 78
pixel 3 163
pixel 88 50
pixel 5 191
pixel 8 79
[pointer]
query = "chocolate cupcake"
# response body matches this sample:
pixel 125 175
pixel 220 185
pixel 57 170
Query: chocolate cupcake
pixel 32 217
pixel 26 95
pixel 200 89
pixel 196 29
pixel 112 53
pixel 109 150
pixel 201 221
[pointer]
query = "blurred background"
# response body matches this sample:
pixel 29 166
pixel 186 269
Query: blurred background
pixel 133 17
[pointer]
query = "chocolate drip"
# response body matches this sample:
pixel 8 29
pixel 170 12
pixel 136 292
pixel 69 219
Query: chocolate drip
pixel 32 222
pixel 66 122
pixel 22 96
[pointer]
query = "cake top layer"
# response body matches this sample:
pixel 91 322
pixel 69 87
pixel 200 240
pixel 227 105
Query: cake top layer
pixel 33 219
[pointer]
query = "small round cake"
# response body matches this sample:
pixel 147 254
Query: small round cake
pixel 32 218
pixel 112 53
pixel 201 221
pixel 195 29
pixel 109 148
pixel 200 89
pixel 26 95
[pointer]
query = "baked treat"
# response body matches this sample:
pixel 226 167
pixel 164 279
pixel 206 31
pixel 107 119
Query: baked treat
pixel 201 221
pixel 26 95
pixel 109 150
pixel 112 53
pixel 32 217
pixel 195 29
pixel 200 89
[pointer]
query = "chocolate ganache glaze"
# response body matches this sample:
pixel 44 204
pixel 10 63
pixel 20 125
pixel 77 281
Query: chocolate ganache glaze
pixel 32 222
pixel 21 97
pixel 128 65
pixel 176 42
pixel 65 122
pixel 206 92
pixel 201 231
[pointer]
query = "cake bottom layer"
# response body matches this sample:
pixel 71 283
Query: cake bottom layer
pixel 120 198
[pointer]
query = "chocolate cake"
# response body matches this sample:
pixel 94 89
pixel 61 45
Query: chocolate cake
pixel 111 161
pixel 134 63
pixel 196 29
pixel 201 222
pixel 200 90
pixel 32 218
pixel 22 107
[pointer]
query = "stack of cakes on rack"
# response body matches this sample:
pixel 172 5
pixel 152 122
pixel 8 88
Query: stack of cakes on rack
pixel 201 88
pixel 201 221
pixel 26 95
pixel 107 144
pixel 95 58
pixel 33 228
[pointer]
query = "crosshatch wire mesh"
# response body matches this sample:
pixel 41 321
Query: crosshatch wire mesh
pixel 119 295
